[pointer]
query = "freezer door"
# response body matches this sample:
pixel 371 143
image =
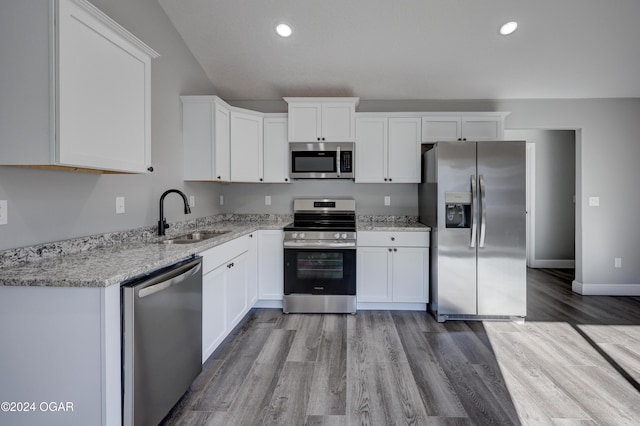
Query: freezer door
pixel 502 228
pixel 457 209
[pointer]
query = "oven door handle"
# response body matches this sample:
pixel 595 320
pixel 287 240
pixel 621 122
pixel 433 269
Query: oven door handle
pixel 320 245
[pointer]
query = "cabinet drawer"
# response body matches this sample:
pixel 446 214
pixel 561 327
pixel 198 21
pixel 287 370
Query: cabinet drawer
pixel 388 238
pixel 221 254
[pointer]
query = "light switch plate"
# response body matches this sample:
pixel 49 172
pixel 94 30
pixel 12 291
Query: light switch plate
pixel 222 200
pixel 617 262
pixel 387 200
pixel 267 200
pixel 594 201
pixel 192 201
pixel 4 215
pixel 119 205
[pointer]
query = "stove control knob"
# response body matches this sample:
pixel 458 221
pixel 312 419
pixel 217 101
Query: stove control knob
pixel 336 236
pixel 344 236
pixel 294 235
pixel 302 235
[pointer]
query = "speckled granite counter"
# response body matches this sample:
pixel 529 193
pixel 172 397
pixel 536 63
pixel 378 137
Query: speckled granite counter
pixel 390 223
pixel 109 259
pixel 110 265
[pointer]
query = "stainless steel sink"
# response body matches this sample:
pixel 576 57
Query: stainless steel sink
pixel 194 237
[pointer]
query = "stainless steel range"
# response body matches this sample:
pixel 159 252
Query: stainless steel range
pixel 320 257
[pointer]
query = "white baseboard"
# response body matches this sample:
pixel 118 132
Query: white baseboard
pixel 606 289
pixel 553 263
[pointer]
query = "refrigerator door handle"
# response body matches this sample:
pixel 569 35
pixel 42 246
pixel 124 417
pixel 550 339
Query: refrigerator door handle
pixel 474 217
pixel 483 211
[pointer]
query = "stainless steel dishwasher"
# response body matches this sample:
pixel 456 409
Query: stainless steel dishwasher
pixel 161 340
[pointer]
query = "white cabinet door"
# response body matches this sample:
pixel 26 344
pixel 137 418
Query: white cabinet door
pixel 409 275
pixel 84 83
pixel 205 138
pixel 482 128
pixel 246 147
pixel 221 143
pixel 373 274
pixel 371 149
pixel 305 122
pixel 436 129
pixel 252 270
pixel 197 137
pixel 338 122
pixel 214 326
pixel 322 119
pixel 102 119
pixel 276 150
pixel 404 150
pixel 270 265
pixel 236 290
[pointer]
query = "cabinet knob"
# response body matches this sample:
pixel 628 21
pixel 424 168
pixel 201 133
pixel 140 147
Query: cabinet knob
pixel 390 179
pixel 150 169
pixel 218 177
pixel 390 249
pixel 395 249
pixel 322 138
pixel 286 179
pixel 250 235
pixel 385 179
pixel 464 139
pixel 318 138
pixel 260 179
pixel 393 238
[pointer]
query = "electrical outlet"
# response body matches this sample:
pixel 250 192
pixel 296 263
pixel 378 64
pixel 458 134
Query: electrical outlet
pixel 387 200
pixel 119 205
pixel 617 262
pixel 192 201
pixel 594 201
pixel 4 216
pixel 267 200
pixel 222 200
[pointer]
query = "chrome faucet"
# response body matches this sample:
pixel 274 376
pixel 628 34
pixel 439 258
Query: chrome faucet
pixel 162 223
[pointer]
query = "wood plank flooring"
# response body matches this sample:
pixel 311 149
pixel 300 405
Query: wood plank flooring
pixel 575 361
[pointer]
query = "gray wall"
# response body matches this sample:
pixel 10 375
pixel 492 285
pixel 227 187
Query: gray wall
pixel 249 198
pixel 554 191
pixel 607 151
pixel 49 205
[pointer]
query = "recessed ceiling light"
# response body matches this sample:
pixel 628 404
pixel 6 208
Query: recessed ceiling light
pixel 283 30
pixel 508 28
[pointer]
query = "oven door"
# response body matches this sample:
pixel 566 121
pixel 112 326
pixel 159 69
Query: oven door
pixel 320 271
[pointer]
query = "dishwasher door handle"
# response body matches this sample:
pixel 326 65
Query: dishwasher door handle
pixel 170 278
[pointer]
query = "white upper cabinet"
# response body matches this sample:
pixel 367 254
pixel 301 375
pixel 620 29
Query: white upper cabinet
pixel 387 149
pixel 465 127
pixel 86 94
pixel 246 146
pixel 276 149
pixel 322 119
pixel 205 138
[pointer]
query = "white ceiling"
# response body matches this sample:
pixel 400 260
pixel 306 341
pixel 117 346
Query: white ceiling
pixel 414 49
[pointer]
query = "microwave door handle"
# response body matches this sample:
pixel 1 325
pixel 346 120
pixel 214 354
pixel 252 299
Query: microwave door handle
pixel 338 161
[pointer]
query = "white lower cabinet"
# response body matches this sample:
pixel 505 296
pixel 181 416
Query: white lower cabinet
pixel 393 268
pixel 226 294
pixel 214 316
pixel 270 265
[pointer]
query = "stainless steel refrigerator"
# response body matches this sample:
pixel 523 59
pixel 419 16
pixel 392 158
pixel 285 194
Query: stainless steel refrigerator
pixel 473 197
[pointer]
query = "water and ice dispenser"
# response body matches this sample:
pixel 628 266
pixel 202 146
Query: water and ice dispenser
pixel 457 209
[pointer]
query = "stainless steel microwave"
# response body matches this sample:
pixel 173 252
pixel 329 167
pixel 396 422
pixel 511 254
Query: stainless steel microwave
pixel 322 160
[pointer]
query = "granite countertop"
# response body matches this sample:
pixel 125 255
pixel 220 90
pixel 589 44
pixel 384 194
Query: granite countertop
pixel 106 266
pixel 109 259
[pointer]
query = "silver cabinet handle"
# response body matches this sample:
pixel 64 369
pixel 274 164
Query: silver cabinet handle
pixel 338 161
pixel 474 217
pixel 483 212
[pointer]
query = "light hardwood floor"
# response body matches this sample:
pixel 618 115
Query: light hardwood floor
pixel 575 361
